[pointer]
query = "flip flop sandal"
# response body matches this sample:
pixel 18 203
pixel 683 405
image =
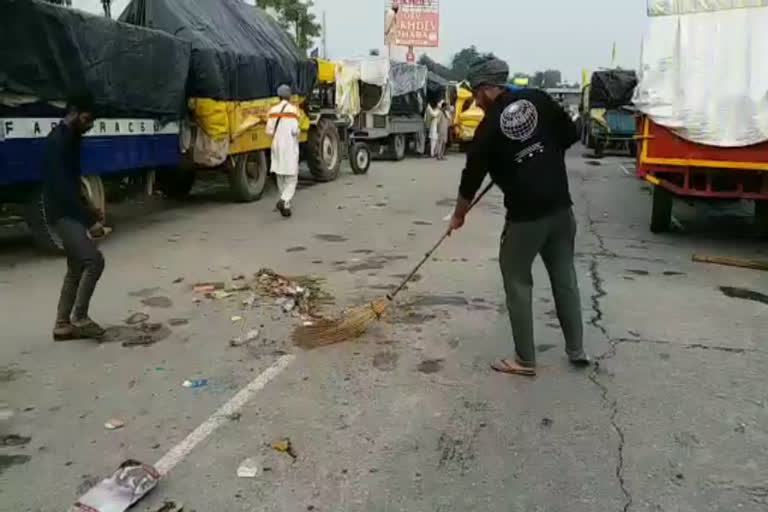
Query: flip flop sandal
pixel 513 368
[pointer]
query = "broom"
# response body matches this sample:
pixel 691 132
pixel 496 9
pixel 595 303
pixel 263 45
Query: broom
pixel 354 322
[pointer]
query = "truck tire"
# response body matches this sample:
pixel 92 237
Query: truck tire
pixel 248 176
pixel 661 211
pixel 324 151
pixel 175 183
pixel 45 237
pixel 761 218
pixel 360 158
pixel 397 147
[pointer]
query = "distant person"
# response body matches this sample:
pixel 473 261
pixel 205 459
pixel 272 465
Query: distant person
pixel 75 221
pixel 283 127
pixel 443 127
pixel 522 142
pixel 432 119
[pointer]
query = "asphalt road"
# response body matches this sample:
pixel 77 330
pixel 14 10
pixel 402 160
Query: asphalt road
pixel 410 418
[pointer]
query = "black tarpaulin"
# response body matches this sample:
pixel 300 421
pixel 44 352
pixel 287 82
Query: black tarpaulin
pixel 612 88
pixel 53 52
pixel 239 52
pixel 407 78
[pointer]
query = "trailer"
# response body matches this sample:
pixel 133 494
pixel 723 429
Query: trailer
pixel 606 122
pixel 703 140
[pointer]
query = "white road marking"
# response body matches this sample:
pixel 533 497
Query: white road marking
pixel 221 416
pixel 626 171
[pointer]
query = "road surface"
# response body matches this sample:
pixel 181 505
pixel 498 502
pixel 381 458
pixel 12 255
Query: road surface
pixel 410 418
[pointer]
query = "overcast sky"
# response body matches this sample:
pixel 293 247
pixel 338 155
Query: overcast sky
pixel 530 34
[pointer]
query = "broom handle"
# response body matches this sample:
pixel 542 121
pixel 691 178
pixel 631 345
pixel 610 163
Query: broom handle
pixel 392 295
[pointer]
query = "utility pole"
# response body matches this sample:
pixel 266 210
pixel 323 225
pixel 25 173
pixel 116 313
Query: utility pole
pixel 325 42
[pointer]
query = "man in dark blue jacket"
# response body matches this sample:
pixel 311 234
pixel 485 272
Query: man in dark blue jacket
pixel 75 221
pixel 521 142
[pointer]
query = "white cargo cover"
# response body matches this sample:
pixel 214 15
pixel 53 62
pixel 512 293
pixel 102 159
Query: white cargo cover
pixel 705 74
pixel 672 7
pixel 370 70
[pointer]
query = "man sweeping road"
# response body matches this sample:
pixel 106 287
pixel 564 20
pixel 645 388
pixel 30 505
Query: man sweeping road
pixel 283 127
pixel 522 142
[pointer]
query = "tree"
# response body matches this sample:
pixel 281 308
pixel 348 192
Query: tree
pixel 294 16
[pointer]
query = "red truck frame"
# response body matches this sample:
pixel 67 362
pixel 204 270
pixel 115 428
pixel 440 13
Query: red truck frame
pixel 677 167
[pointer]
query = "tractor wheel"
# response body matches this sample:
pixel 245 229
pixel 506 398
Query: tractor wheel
pixel 397 147
pixel 661 211
pixel 360 158
pixel 324 151
pixel 248 176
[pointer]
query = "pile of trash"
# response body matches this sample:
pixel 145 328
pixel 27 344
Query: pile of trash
pixel 300 296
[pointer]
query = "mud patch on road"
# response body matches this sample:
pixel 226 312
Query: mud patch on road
pixel 413 318
pixel 362 251
pixel 8 461
pixel 14 440
pixel 137 318
pixel 430 366
pixel 10 373
pixel 673 273
pixel 415 279
pixel 744 294
pixel 439 300
pixel 329 237
pixel 382 287
pixel 158 302
pixel 594 163
pixel 177 322
pixel 144 292
pixel 142 335
pixel 637 272
pixel 298 248
pixel 385 361
pixel 422 223
pixel 544 348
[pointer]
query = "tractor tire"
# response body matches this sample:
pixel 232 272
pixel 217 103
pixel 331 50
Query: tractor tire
pixel 45 237
pixel 324 151
pixel 397 147
pixel 360 158
pixel 661 211
pixel 248 176
pixel 175 183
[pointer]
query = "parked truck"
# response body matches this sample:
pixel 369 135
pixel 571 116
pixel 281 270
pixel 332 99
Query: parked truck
pixel 606 122
pixel 688 147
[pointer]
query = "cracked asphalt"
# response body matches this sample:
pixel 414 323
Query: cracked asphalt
pixel 671 418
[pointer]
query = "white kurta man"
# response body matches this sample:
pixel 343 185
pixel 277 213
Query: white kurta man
pixel 283 127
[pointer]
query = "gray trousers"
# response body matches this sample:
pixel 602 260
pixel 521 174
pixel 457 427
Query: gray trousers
pixel 553 238
pixel 85 264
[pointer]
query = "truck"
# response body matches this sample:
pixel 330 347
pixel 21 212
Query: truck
pixel 606 122
pixel 687 149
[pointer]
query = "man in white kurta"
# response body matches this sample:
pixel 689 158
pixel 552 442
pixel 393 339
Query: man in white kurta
pixel 283 127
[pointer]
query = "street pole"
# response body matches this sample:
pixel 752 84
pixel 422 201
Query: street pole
pixel 325 43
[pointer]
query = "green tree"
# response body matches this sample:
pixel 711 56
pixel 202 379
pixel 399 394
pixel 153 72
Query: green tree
pixel 295 17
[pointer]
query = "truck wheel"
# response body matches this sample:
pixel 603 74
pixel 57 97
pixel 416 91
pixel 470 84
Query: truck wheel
pixel 761 218
pixel 248 176
pixel 360 158
pixel 397 147
pixel 420 143
pixel 175 183
pixel 324 151
pixel 661 212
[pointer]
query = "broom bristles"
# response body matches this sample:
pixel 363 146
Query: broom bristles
pixel 352 324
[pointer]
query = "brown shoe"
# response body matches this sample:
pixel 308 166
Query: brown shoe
pixel 63 331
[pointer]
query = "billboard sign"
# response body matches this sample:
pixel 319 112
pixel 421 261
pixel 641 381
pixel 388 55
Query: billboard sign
pixel 418 23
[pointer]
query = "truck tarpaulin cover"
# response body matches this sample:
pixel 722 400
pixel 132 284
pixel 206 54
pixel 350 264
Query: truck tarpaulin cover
pixel 407 78
pixel 612 88
pixel 704 75
pixel 51 53
pixel 239 52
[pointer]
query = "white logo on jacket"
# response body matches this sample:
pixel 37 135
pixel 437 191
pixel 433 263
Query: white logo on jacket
pixel 519 120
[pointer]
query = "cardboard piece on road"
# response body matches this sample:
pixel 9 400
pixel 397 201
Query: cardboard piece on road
pixel 131 482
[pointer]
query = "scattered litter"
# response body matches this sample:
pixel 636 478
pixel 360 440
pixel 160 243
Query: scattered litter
pixel 289 305
pixel 137 318
pixel 114 424
pixel 547 422
pixel 208 287
pixel 285 446
pixel 235 416
pixel 239 277
pixel 244 339
pixel 249 468
pixel 249 301
pixel 236 318
pixel 131 482
pixel 220 294
pixel 178 280
pixel 195 384
pixel 238 287
pixel 741 428
pixel 159 267
pixel 159 368
pixel 176 322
